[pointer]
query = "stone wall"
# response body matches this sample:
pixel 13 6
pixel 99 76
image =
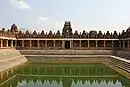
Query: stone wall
pixel 67 55
pixel 122 53
pixel 61 59
pixel 36 55
pixel 66 52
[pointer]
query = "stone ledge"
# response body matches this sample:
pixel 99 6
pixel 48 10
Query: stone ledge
pixel 122 59
pixel 67 56
pixel 66 52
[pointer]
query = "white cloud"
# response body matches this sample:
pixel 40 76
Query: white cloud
pixel 43 23
pixel 19 4
pixel 43 18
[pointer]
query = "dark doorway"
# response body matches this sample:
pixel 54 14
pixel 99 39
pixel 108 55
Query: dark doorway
pixel 9 43
pixel 67 44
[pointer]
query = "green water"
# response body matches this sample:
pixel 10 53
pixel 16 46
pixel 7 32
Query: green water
pixel 62 75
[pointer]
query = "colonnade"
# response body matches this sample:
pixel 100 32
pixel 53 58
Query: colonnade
pixel 5 43
pixel 70 44
pixel 65 44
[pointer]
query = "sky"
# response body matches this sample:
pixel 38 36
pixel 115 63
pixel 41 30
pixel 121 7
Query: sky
pixel 51 14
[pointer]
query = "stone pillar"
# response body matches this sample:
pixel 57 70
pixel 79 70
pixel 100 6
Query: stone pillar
pixel 112 43
pixel 54 43
pixel 30 43
pixel 1 45
pixel 22 43
pixel 45 43
pixel 80 43
pixel 38 43
pixel 7 43
pixel 16 43
pixel 128 44
pixel 71 44
pixel 123 43
pixel 96 43
pixel 63 44
pixel 11 43
pixel 104 43
pixel 88 43
pixel 119 43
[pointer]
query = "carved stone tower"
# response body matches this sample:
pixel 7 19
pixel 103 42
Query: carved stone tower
pixel 14 29
pixel 67 30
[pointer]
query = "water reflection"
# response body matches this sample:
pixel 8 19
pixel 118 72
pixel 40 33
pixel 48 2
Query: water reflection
pixel 52 75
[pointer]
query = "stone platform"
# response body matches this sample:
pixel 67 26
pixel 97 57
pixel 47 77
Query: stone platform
pixel 10 58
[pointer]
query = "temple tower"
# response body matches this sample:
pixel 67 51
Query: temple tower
pixel 67 30
pixel 14 29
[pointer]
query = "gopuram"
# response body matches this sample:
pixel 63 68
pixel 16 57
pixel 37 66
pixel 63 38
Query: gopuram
pixel 67 40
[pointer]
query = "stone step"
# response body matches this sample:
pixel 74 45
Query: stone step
pixel 69 56
pixel 12 62
pixel 120 63
pixel 65 52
